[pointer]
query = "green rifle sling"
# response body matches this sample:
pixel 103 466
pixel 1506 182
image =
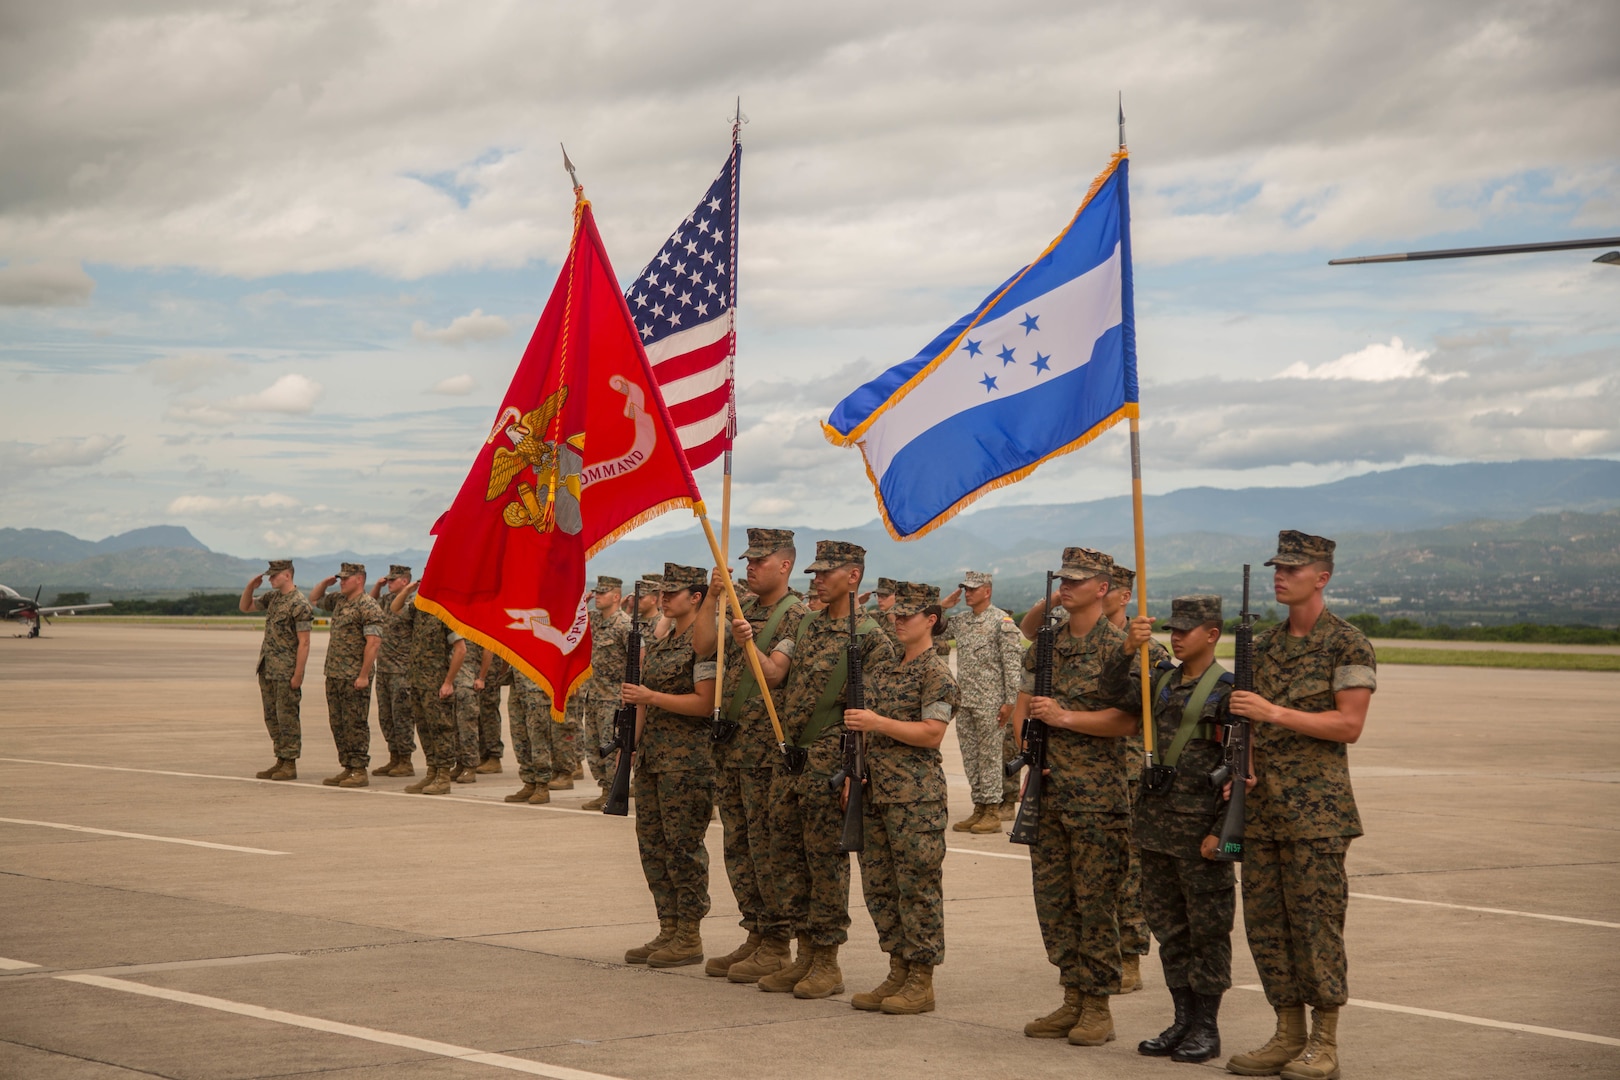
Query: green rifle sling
pixel 747 685
pixel 1191 716
pixel 827 713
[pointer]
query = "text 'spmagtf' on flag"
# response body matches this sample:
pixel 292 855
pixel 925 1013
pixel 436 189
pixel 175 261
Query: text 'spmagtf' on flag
pixel 684 304
pixel 581 452
pixel 1041 367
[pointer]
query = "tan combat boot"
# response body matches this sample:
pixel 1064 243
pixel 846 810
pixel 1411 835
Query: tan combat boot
pixel 596 803
pixel 427 778
pixel 490 765
pixel 562 783
pixel 916 996
pixel 540 797
pixel 403 768
pixel 1096 1023
pixel 1285 1045
pixel 579 770
pixel 784 979
pixel 824 979
pixel 521 794
pixel 772 956
pixel 382 770
pixel 467 775
pixel 356 778
pixel 971 820
pixel 286 769
pixel 1058 1024
pixel 639 954
pixel 720 966
pixel 1008 810
pixel 872 1000
pixel 686 947
pixel 264 774
pixel 1320 1061
pixel 455 771
pixel 1130 973
pixel 989 821
pixel 338 777
pixel 440 785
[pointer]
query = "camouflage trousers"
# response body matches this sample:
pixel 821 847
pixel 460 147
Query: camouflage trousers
pixel 1133 923
pixel 980 737
pixel 901 878
pixel 812 875
pixel 593 720
pixel 489 723
pixel 281 705
pixel 468 712
pixel 1077 862
pixel 744 797
pixel 436 728
pixel 672 826
pixel 529 708
pixel 1190 906
pixel 349 712
pixel 394 713
pixel 1010 785
pixel 1294 897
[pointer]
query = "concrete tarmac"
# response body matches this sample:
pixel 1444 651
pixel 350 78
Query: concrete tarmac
pixel 303 930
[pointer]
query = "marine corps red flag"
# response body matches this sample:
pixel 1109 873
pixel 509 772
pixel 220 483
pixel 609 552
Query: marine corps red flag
pixel 581 452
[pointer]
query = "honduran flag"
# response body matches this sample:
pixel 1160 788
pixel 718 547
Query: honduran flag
pixel 1042 366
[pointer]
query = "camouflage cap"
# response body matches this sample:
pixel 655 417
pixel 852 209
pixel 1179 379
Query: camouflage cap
pixel 886 586
pixel 911 597
pixel 1295 548
pixel 974 579
pixel 1121 577
pixel 831 554
pixel 604 583
pixel 352 568
pixel 278 565
pixel 677 577
pixel 763 542
pixel 1191 612
pixel 1083 564
pixel 652 583
pixel 398 571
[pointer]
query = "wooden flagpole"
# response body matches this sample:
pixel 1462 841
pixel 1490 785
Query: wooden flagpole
pixel 748 646
pixel 724 551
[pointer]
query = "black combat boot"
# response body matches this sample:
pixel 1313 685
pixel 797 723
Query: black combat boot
pixel 1203 1038
pixel 1170 1038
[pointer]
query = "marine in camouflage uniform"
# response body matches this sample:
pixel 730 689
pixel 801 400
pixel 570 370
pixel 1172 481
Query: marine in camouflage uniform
pixel 806 818
pixel 529 711
pixel 1301 814
pixel 468 712
pixel 1082 846
pixel 905 814
pixel 395 709
pixel 490 747
pixel 437 654
pixel 288 621
pixel 1190 899
pixel 883 608
pixel 989 663
pixel 674 783
pixel 351 652
pixel 610 630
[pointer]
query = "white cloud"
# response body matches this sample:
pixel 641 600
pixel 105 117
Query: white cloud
pixel 292 394
pixel 45 283
pixel 214 505
pixel 69 451
pixel 454 386
pixel 1375 363
pixel 190 371
pixel 463 328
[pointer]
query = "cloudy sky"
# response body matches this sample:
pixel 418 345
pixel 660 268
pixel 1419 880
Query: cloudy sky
pixel 265 268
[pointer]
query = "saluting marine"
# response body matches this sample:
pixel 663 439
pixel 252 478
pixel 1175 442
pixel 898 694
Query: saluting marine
pixel 437 653
pixel 288 620
pixel 352 645
pixel 395 713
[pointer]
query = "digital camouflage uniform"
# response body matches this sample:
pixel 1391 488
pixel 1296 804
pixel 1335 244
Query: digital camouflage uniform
pixel 806 819
pixel 989 661
pixel 1190 900
pixel 489 708
pixel 746 764
pixel 395 708
pixel 1133 921
pixel 529 712
pixel 1082 848
pixel 905 812
pixel 674 782
pixel 286 616
pixel 469 708
pixel 349 710
pixel 600 699
pixel 432 643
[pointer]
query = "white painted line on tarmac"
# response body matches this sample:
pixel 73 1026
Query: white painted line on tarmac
pixel 1477 1021
pixel 15 965
pixel 315 1023
pixel 142 836
pixel 986 854
pixel 135 969
pixel 1487 910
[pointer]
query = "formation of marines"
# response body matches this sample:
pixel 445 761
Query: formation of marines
pixel 1113 865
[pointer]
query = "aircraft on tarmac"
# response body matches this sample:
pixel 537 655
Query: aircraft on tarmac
pixel 13 605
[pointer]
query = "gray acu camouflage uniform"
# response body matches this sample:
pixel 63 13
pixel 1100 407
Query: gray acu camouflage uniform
pixel 989 662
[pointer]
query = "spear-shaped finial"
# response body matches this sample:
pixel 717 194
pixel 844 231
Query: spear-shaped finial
pixel 737 122
pixel 569 165
pixel 1122 119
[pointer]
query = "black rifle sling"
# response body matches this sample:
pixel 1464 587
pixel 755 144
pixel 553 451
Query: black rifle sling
pixel 827 713
pixel 1190 715
pixel 747 686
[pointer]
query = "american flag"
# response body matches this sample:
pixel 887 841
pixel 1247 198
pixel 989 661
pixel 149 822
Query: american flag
pixel 684 303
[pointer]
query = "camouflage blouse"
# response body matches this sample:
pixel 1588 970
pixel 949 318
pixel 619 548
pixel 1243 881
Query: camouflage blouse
pixel 1158 656
pixel 819 645
pixel 608 635
pixel 286 616
pixel 911 691
pixel 431 645
pixel 1303 789
pixel 671 742
pixel 468 673
pixel 755 744
pixel 352 622
pixel 989 652
pixel 1088 771
pixel 395 656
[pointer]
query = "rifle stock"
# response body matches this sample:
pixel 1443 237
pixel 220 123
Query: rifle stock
pixel 1235 756
pixel 1033 753
pixel 624 719
pixel 853 745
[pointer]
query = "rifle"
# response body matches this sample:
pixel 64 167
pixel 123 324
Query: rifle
pixel 1033 753
pixel 721 729
pixel 624 719
pixel 852 744
pixel 1235 741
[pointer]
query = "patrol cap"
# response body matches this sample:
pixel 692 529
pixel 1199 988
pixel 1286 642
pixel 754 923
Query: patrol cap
pixel 398 571
pixel 763 542
pixel 1121 577
pixel 677 577
pixel 911 597
pixel 652 583
pixel 831 554
pixel 352 568
pixel 1295 548
pixel 278 565
pixel 1191 612
pixel 886 586
pixel 1083 564
pixel 974 579
pixel 604 583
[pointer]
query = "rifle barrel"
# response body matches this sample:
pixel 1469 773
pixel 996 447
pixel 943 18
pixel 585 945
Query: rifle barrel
pixel 1469 252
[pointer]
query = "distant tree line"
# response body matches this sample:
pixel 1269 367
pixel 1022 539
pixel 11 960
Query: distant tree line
pixel 196 604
